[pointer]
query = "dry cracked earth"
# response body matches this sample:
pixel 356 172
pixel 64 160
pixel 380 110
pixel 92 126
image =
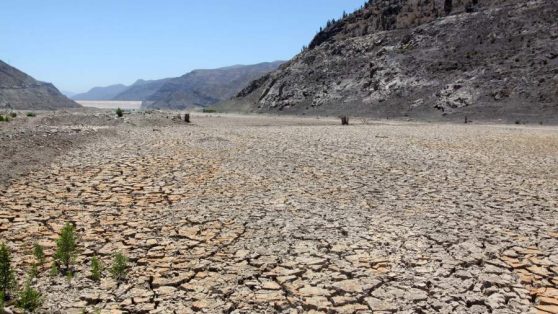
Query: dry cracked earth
pixel 290 215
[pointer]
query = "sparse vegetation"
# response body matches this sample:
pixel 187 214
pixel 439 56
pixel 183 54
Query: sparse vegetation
pixel 2 302
pixel 31 114
pixel 29 299
pixel 53 270
pixel 13 114
pixel 209 110
pixel 65 247
pixel 7 278
pixel 96 269
pixel 34 271
pixel 39 254
pixel 69 276
pixel 2 119
pixel 119 113
pixel 119 267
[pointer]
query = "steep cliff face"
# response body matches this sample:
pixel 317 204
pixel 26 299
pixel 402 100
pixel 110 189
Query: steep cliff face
pixel 434 59
pixel 20 91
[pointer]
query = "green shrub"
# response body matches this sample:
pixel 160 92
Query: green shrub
pixel 1 118
pixel 65 247
pixel 39 253
pixel 33 272
pixel 69 276
pixel 7 278
pixel 53 271
pixel 31 114
pixel 2 303
pixel 29 299
pixel 119 266
pixel 119 112
pixel 13 114
pixel 96 269
pixel 208 110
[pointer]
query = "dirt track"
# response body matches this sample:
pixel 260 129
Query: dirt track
pixel 257 214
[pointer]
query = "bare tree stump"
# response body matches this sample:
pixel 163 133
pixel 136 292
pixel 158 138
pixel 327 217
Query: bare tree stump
pixel 344 120
pixel 187 117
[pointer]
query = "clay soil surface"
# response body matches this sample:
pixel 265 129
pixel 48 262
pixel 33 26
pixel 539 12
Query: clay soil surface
pixel 254 214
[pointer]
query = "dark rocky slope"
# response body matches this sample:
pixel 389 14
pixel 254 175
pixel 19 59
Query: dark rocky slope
pixel 438 59
pixel 20 91
pixel 201 88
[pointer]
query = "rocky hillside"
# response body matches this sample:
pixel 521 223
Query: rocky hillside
pixel 141 90
pixel 438 59
pixel 201 88
pixel 101 93
pixel 20 91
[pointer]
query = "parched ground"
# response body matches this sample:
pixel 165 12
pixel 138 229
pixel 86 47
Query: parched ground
pixel 260 215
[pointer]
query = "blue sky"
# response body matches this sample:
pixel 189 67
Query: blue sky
pixel 78 44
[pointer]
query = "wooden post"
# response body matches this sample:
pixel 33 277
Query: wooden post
pixel 344 120
pixel 187 117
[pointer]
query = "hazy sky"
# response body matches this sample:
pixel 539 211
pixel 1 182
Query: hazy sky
pixel 78 44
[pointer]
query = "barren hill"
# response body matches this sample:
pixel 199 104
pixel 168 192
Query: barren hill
pixel 440 59
pixel 20 91
pixel 207 87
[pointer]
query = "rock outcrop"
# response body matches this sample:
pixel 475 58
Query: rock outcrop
pixel 440 59
pixel 20 91
pixel 201 88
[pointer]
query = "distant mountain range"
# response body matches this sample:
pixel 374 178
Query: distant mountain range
pixel 202 88
pixel 199 88
pixel 68 94
pixel 141 90
pixel 101 93
pixel 20 91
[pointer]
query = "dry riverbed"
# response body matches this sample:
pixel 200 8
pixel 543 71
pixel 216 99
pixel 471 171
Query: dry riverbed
pixel 262 214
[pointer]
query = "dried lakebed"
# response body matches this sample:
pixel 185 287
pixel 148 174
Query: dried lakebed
pixel 256 214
